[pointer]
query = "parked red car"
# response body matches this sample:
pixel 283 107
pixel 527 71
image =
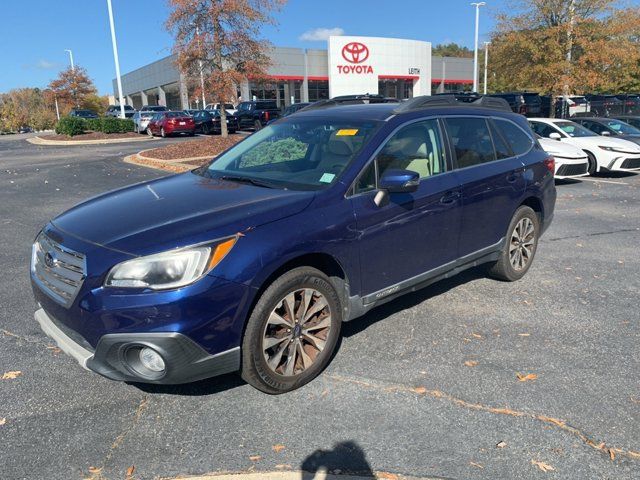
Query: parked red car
pixel 168 123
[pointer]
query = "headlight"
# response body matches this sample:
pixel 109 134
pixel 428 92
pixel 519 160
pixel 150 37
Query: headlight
pixel 616 149
pixel 172 269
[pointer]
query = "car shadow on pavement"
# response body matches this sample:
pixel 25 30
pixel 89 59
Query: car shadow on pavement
pixel 410 300
pixel 344 457
pixel 208 386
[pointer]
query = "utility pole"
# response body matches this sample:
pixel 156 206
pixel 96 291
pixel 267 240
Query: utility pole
pixel 115 57
pixel 475 50
pixel 71 58
pixel 565 88
pixel 486 62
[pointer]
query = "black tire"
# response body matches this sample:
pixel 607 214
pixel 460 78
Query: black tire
pixel 592 167
pixel 257 125
pixel 255 369
pixel 206 129
pixel 503 268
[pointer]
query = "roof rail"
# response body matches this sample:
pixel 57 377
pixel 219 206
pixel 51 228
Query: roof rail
pixel 427 101
pixel 349 100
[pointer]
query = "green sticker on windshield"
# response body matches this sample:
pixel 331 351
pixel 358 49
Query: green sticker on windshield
pixel 327 178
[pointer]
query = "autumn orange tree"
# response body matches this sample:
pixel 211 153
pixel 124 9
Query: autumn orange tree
pixel 566 46
pixel 221 39
pixel 72 87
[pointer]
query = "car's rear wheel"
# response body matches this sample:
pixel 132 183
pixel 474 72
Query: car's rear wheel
pixel 593 164
pixel 520 246
pixel 292 331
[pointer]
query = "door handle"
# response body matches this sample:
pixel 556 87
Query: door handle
pixel 450 197
pixel 514 175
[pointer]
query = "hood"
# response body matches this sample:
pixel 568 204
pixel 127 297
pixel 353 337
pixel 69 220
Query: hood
pixel 559 149
pixel 177 211
pixel 603 141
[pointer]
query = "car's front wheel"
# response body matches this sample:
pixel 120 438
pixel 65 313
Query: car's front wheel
pixel 292 331
pixel 592 168
pixel 520 246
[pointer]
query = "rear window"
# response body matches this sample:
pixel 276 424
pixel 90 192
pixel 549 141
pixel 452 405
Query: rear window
pixel 176 114
pixel 266 105
pixel 519 141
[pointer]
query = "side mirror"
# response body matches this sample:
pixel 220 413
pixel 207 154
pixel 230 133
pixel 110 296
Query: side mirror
pixel 555 136
pixel 400 181
pixel 606 133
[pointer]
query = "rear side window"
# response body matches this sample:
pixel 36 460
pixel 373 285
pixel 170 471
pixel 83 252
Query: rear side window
pixel 471 141
pixel 502 149
pixel 519 141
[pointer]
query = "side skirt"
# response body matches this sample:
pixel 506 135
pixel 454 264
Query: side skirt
pixel 358 306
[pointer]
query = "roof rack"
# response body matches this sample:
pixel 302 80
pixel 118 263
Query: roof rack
pixel 350 100
pixel 426 101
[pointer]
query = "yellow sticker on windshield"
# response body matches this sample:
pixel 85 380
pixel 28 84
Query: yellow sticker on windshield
pixel 347 132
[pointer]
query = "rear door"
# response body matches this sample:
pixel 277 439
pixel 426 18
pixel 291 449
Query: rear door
pixel 413 233
pixel 492 181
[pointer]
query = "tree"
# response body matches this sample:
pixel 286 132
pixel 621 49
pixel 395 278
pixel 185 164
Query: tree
pixel 220 39
pixel 26 106
pixel 451 50
pixel 72 87
pixel 565 46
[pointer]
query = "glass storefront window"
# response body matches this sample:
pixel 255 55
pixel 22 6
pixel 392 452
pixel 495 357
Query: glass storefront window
pixel 318 90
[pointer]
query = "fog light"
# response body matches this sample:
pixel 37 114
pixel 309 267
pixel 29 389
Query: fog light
pixel 151 359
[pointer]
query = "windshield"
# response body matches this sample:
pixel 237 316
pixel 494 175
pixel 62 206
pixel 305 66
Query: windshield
pixel 575 130
pixel 306 155
pixel 621 127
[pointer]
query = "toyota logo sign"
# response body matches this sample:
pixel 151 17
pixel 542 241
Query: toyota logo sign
pixel 355 52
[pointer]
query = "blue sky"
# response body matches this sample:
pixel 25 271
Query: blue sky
pixel 36 32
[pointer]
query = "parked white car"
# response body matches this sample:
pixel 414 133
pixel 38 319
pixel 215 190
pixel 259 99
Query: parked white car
pixel 570 161
pixel 604 153
pixel 227 106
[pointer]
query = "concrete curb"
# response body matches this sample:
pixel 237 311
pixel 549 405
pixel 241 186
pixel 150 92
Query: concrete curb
pixel 156 164
pixel 176 160
pixel 43 141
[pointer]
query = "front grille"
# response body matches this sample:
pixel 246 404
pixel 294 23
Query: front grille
pixel 571 170
pixel 631 163
pixel 58 270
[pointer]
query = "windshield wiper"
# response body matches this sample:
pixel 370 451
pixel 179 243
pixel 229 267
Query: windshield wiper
pixel 252 181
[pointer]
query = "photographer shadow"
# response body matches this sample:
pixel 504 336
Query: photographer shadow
pixel 345 457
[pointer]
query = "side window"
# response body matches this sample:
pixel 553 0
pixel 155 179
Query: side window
pixel 542 129
pixel 519 141
pixel 367 180
pixel 416 147
pixel 471 140
pixel 502 149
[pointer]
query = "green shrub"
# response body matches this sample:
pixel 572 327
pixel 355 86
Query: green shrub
pixel 70 126
pixel 116 125
pixel 94 124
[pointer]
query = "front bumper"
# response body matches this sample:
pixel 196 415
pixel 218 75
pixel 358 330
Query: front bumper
pixel 571 167
pixel 625 163
pixel 185 360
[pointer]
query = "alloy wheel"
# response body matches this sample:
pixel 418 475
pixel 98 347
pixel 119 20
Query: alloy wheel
pixel 522 244
pixel 296 332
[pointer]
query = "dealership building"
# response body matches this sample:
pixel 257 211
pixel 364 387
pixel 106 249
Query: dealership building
pixel 351 65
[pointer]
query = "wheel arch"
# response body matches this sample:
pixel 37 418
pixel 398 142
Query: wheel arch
pixel 536 205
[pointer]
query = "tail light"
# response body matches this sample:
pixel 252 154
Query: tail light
pixel 550 163
pixel 266 116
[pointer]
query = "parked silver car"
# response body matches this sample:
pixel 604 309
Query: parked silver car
pixel 142 117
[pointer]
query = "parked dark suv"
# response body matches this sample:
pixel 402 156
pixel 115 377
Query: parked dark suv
pixel 256 114
pixel 528 104
pixel 253 261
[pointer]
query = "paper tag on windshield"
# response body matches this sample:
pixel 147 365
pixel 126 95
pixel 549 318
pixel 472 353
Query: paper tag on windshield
pixel 347 132
pixel 327 178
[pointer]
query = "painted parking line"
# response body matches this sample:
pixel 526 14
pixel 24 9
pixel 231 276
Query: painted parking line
pixel 603 181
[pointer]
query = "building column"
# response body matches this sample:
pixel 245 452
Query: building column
pixel 304 91
pixel 244 91
pixel 162 97
pixel 129 100
pixel 184 95
pixel 143 98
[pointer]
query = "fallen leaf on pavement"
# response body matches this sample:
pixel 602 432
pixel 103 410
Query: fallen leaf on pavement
pixel 3 421
pixel 526 378
pixel 612 454
pixel 130 471
pixel 524 334
pixel 278 448
pixel 477 465
pixel 387 476
pixel 255 458
pixel 420 390
pixel 11 375
pixel 471 363
pixel 95 469
pixel 283 466
pixel 477 335
pixel 542 466
pixel 501 444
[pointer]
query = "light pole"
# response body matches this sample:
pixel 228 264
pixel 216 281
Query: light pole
pixel 71 58
pixel 486 62
pixel 115 57
pixel 475 49
pixel 204 101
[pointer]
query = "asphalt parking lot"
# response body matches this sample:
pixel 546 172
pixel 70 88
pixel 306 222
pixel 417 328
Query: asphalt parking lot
pixel 425 386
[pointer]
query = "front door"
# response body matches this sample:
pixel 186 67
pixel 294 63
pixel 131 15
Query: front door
pixel 413 233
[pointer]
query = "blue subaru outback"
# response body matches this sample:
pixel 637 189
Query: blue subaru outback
pixel 253 261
